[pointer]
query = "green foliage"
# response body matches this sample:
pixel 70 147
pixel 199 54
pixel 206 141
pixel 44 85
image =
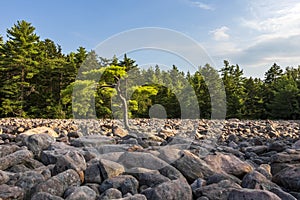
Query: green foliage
pixel 18 62
pixel 234 87
pixel 37 80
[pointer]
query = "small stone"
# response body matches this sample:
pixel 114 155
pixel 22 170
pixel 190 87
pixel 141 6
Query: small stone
pixel 11 192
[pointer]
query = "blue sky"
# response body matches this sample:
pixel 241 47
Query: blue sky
pixel 252 33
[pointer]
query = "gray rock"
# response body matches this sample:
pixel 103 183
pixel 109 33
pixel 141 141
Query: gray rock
pixel 249 194
pixel 4 177
pixel 288 178
pixel 82 192
pixel 45 196
pixel 198 183
pixel 56 185
pixel 27 181
pixel 218 177
pixel 11 192
pixel 92 173
pixel 124 183
pixel 281 194
pixel 146 160
pixel 277 146
pixel 110 193
pixel 216 191
pixel 265 170
pixel 38 142
pixel 134 197
pixel 50 156
pixel 257 149
pixel 175 189
pixel 285 157
pixel 255 180
pixel 110 169
pixel 192 167
pixel 70 160
pixel 109 148
pixel 8 149
pixel 92 141
pixel 15 158
pixel 229 164
pixel 150 178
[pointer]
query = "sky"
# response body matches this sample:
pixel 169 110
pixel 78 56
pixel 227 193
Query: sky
pixel 251 33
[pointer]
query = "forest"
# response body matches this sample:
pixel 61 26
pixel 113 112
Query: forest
pixel 37 80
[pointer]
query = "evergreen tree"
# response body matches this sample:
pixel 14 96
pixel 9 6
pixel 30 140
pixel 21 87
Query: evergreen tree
pixel 285 103
pixel 19 64
pixel 253 102
pixel 233 82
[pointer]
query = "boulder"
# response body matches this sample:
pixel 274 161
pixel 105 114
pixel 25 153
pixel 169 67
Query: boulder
pixel 255 180
pixel 134 197
pixel 110 169
pixel 40 130
pixel 228 163
pixel 283 195
pixel 38 142
pixel 92 141
pixel 79 193
pixel 27 181
pixel 11 192
pixel 70 160
pixel 146 177
pixel 15 158
pixel 249 194
pixel 175 189
pixel 285 157
pixel 110 193
pixel 4 177
pixel 8 149
pixel 92 173
pixel 57 185
pixel 288 178
pixel 124 183
pixel 45 196
pixel 216 191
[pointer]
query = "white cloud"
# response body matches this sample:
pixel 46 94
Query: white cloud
pixel 220 34
pixel 202 5
pixel 268 33
pixel 274 18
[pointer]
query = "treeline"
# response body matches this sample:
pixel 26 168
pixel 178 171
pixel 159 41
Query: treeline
pixel 38 81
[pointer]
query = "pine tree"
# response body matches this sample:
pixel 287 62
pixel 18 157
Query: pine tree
pixel 19 64
pixel 233 82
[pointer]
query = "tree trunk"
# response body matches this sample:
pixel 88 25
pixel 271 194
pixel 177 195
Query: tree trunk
pixel 124 105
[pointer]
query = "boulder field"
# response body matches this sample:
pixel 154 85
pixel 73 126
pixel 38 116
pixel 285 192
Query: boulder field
pixel 156 159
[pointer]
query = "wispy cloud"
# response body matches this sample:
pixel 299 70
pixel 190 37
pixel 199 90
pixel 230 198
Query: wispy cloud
pixel 268 33
pixel 220 34
pixel 201 5
pixel 274 18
